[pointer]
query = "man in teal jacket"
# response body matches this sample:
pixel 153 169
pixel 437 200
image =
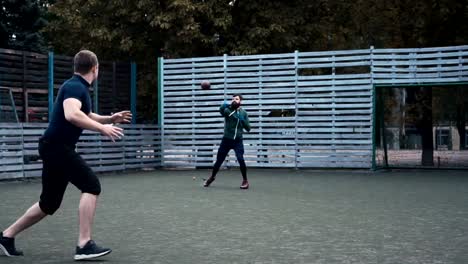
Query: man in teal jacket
pixel 236 121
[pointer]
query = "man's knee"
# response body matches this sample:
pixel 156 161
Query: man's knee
pixel 239 153
pixel 240 157
pixel 49 207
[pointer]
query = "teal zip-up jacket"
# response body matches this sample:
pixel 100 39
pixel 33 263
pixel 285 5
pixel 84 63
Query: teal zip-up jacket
pixel 234 121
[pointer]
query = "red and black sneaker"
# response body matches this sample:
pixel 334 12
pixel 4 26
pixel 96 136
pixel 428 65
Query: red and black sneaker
pixel 208 181
pixel 245 184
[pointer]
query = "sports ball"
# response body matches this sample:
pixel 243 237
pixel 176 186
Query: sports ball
pixel 205 85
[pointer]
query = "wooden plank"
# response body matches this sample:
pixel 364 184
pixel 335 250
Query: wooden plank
pixel 261 56
pixel 417 62
pixel 390 69
pixel 416 81
pixel 306 60
pixel 335 100
pixel 334 164
pixel 12 168
pixel 10 175
pixel 308 147
pixel 419 75
pixel 117 156
pixel 418 56
pixel 11 161
pixel 231 63
pixel 108 168
pixel 303 112
pixel 190 65
pixel 332 53
pixel 33 167
pixel 364 76
pixel 420 50
pixel 336 137
pixel 219 77
pixel 334 82
pixel 335 141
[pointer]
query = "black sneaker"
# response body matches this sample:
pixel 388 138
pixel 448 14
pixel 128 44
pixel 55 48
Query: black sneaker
pixel 8 246
pixel 91 251
pixel 208 182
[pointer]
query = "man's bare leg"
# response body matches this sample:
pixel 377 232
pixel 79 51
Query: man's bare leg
pixel 87 248
pixel 32 216
pixel 7 238
pixel 87 211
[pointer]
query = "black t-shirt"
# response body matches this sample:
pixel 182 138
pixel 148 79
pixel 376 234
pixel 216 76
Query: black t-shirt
pixel 60 130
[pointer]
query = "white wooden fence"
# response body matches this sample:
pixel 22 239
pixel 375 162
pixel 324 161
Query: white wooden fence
pixel 307 109
pixel 138 149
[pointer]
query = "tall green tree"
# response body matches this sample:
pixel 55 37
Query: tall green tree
pixel 263 26
pixel 142 30
pixel 188 28
pixel 138 29
pixel 21 22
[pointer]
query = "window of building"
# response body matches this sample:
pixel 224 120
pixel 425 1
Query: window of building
pixel 442 138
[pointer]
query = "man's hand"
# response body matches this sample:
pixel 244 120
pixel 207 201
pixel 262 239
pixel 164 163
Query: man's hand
pixel 112 132
pixel 121 117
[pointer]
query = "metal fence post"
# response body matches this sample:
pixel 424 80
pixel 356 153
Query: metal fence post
pixel 133 91
pixel 296 108
pixel 51 83
pixel 161 106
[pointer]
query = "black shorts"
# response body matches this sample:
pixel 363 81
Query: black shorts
pixel 61 165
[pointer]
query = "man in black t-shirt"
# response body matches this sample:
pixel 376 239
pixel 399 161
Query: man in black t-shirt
pixel 61 164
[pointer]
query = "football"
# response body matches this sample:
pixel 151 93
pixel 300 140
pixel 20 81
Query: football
pixel 205 85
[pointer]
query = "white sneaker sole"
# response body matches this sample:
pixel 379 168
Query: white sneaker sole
pixel 5 251
pixel 91 256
